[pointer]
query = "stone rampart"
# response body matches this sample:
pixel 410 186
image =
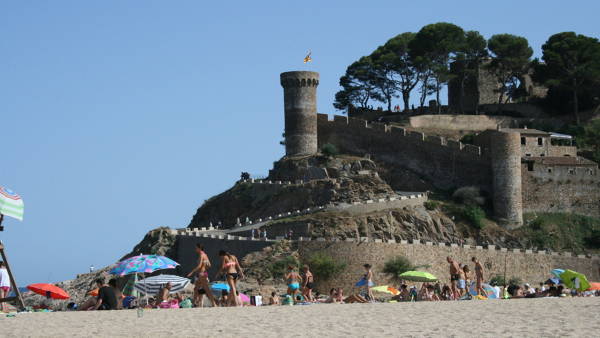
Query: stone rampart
pixel 460 122
pixel 531 266
pixel 447 164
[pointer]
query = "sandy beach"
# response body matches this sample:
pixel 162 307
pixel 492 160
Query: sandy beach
pixel 523 318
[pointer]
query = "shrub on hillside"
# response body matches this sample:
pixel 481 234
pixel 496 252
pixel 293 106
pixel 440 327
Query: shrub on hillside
pixel 279 268
pixel 469 139
pixel 324 267
pixel 475 216
pixel 593 240
pixel 468 196
pixel 394 267
pixel 329 149
pixel 431 205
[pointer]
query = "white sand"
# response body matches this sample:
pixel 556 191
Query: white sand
pixel 576 317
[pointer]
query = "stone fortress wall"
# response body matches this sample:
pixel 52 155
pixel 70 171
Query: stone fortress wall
pixel 451 164
pixel 530 266
pixel 448 163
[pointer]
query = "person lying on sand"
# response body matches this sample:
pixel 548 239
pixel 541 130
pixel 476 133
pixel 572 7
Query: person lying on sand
pixel 355 299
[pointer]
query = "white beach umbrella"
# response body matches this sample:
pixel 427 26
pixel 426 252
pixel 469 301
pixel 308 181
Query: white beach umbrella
pixel 152 285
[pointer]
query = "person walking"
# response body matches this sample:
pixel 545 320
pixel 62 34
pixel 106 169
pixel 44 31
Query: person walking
pixel 202 286
pixel 230 266
pixel 479 277
pixel 4 284
pixel 454 276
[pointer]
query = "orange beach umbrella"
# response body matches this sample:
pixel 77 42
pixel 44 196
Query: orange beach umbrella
pixel 594 286
pixel 50 290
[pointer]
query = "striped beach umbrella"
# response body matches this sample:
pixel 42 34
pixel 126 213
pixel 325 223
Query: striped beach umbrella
pixel 11 204
pixel 152 285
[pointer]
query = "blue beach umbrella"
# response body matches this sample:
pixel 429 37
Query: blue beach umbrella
pixel 488 289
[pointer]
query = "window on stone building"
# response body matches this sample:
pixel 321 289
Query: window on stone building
pixel 571 171
pixel 549 170
pixel 540 141
pixel 542 155
pixel 527 154
pixel 523 141
pixel 530 166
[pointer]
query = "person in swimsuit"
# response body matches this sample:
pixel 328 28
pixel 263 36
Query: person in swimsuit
pixel 454 276
pixel 202 286
pixel 461 284
pixel 368 278
pixel 479 277
pixel 293 280
pixel 307 284
pixel 233 271
pixel 467 272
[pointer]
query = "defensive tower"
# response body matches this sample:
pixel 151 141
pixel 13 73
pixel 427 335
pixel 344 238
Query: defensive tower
pixel 300 102
pixel 506 169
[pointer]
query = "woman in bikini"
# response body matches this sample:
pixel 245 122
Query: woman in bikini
pixel 368 278
pixel 202 286
pixel 233 271
pixel 293 280
pixel 307 284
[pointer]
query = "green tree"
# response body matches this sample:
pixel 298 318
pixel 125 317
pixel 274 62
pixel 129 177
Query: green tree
pixel 396 266
pixel 357 85
pixel 591 138
pixel 467 61
pixel 510 60
pixel 324 266
pixel 571 61
pixel 432 49
pixel 394 55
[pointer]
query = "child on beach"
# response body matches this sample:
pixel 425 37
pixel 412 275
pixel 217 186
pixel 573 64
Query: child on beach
pixel 4 284
pixel 367 281
pixel 274 300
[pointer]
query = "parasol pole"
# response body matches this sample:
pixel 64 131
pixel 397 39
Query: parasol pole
pixel 18 298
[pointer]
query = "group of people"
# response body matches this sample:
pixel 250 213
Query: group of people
pixel 259 233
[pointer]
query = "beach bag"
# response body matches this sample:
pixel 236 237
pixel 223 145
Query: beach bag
pixel 186 304
pixel 256 300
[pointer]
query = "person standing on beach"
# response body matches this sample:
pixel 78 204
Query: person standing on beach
pixel 202 286
pixel 307 284
pixel 292 278
pixel 454 276
pixel 478 277
pixel 368 277
pixel 4 283
pixel 230 266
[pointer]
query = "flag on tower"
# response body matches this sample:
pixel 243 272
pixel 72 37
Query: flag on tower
pixel 307 58
pixel 11 204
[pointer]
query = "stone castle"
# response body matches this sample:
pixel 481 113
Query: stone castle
pixel 522 170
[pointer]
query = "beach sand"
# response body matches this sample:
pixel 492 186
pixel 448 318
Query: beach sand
pixel 576 317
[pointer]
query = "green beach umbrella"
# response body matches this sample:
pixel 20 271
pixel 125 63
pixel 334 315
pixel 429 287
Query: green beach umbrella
pixel 575 280
pixel 418 276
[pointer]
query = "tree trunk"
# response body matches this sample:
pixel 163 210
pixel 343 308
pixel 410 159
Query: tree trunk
pixel 462 95
pixel 437 95
pixel 406 98
pixel 389 102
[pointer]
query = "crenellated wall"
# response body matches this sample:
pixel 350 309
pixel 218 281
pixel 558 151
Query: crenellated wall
pixel 447 163
pixel 530 266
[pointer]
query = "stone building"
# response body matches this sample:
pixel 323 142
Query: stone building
pixel 483 88
pixel 523 170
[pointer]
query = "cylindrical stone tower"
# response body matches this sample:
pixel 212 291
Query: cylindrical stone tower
pixel 506 170
pixel 300 101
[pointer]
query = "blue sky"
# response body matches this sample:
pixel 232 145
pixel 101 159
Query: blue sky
pixel 122 116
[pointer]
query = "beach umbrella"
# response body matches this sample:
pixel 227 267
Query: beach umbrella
pixel 128 289
pixel 49 290
pixel 553 280
pixel 574 280
pixel 143 263
pixel 152 285
pixel 594 286
pixel 386 289
pixel 557 272
pixel 11 204
pixel 418 276
pixel 491 293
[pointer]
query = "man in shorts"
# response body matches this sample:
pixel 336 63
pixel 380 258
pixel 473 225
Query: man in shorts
pixel 454 276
